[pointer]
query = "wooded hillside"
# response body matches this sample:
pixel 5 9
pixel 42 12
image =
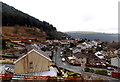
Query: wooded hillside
pixel 14 17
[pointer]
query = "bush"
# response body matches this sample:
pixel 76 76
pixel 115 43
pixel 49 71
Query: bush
pixel 97 71
pixel 92 70
pixel 6 62
pixel 87 69
pixel 102 72
pixel 11 44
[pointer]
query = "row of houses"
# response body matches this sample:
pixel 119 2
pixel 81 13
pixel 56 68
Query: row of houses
pixel 83 59
pixel 18 40
pixel 81 55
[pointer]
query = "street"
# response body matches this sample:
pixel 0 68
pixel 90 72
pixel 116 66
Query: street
pixel 78 69
pixel 65 65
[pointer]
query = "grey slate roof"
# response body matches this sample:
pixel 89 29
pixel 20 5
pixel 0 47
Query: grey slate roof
pixel 80 55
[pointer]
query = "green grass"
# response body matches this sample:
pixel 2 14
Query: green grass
pixel 6 62
pixel 11 44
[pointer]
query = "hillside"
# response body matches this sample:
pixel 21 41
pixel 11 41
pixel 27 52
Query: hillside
pixel 94 35
pixel 12 17
pixel 22 31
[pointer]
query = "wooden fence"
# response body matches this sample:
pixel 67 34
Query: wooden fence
pixel 15 77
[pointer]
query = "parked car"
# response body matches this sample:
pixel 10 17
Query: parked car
pixel 61 55
pixel 63 59
pixel 7 69
pixel 61 52
pixel 110 68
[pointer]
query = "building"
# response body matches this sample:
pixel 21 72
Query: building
pixel 75 50
pixel 115 61
pixel 35 60
pixel 16 40
pixel 94 60
pixel 99 55
pixel 81 58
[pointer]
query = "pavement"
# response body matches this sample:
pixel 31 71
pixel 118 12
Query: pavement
pixel 8 65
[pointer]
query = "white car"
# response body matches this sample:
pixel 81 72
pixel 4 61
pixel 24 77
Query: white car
pixel 97 63
pixel 7 69
pixel 110 68
pixel 61 55
pixel 63 59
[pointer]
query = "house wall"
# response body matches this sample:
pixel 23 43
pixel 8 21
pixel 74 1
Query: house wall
pixel 115 61
pixel 39 63
pixel 95 60
pixel 76 50
pixel 81 60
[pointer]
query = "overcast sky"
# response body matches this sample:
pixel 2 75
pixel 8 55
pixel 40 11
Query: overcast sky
pixel 73 15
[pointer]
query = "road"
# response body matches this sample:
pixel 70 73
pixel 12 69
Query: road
pixel 77 69
pixel 65 65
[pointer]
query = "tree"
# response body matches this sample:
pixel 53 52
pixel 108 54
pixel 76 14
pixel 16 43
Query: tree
pixel 102 72
pixel 87 69
pixel 72 45
pixel 92 70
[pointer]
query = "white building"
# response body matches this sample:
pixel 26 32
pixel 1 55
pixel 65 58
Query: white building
pixel 115 61
pixel 99 55
pixel 75 50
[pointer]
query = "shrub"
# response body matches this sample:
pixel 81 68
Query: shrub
pixel 87 69
pixel 6 62
pixel 102 72
pixel 92 70
pixel 11 44
pixel 97 71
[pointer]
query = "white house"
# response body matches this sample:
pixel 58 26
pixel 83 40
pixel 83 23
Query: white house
pixel 75 50
pixel 115 61
pixel 94 43
pixel 82 46
pixel 99 55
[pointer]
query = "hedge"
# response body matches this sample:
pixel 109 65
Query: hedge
pixel 102 72
pixel 6 62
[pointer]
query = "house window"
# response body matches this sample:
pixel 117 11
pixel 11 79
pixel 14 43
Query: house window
pixel 31 65
pixel 83 62
pixel 96 59
pixel 82 58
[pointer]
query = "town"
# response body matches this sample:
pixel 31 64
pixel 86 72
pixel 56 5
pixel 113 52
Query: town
pixel 81 58
pixel 63 40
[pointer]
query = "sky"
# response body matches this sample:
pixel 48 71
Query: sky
pixel 73 15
